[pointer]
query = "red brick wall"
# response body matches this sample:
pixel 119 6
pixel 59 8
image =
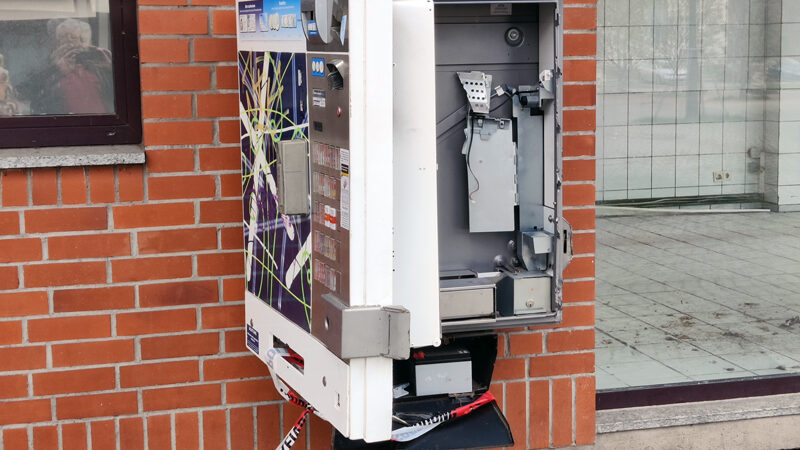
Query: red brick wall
pixel 545 376
pixel 121 287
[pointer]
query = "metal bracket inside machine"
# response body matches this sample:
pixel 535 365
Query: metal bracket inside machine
pixel 478 87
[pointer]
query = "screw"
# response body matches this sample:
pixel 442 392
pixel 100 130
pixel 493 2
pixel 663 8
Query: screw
pixel 514 36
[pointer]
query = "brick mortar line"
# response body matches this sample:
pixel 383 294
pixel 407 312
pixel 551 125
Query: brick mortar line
pixel 135 203
pixel 188 119
pixel 528 379
pixel 548 331
pixel 116 206
pixel 201 430
pixel 194 276
pixel 123 311
pixel 144 416
pixel 118 283
pixel 189 63
pixel 49 344
pixel 173 429
pixel 191 146
pixel 573 417
pixel 129 389
pixel 29 176
pixel 177 37
pixel 164 308
pixel 195 172
pixel 210 91
pixel 118 365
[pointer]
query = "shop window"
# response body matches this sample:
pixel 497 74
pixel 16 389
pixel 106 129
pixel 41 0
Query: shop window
pixel 69 73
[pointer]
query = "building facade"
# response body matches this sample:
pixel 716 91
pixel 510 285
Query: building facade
pixel 121 286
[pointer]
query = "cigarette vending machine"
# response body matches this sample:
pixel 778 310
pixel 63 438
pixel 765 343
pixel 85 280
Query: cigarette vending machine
pixel 401 173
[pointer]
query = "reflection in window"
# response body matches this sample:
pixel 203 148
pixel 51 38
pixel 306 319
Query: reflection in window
pixel 55 58
pixel 697 109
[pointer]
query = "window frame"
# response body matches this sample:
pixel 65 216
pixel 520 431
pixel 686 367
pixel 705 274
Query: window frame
pixel 700 391
pixel 122 127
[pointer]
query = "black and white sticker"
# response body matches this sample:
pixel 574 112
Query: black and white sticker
pixel 252 338
pixel 501 9
pixel 319 98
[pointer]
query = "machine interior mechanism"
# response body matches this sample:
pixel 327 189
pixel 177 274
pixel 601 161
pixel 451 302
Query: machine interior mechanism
pixel 503 242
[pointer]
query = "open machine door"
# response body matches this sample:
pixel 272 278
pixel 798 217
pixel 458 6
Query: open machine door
pixel 318 241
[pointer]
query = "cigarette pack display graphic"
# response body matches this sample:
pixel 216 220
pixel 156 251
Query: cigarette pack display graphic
pixel 277 246
pixel 277 20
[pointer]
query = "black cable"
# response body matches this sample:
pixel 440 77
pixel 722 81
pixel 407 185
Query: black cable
pixel 469 150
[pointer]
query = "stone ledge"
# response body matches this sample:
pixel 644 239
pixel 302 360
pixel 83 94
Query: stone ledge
pixel 96 155
pixel 761 433
pixel 648 417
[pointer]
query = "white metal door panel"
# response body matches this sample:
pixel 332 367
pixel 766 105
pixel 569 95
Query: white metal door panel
pixel 416 247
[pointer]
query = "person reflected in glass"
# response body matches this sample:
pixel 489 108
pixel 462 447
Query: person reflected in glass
pixel 78 78
pixel 8 105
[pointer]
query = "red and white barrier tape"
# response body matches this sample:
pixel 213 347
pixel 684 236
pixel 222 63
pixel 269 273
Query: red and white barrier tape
pixel 292 397
pixel 416 430
pixel 290 439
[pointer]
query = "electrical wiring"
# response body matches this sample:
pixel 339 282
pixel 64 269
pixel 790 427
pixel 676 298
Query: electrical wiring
pixel 469 151
pixel 461 111
pixel 471 122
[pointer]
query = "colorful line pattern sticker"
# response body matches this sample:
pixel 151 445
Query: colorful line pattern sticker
pixel 272 105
